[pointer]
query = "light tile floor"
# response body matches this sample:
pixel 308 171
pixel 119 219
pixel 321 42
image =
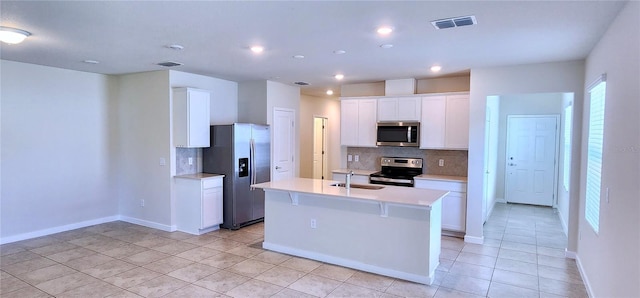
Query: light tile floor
pixel 523 256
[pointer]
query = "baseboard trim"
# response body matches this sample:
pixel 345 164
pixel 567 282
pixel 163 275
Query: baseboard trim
pixel 501 200
pixel 351 264
pixel 58 229
pixel 585 279
pixel 473 240
pixel 148 224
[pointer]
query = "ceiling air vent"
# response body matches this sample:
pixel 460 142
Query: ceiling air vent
pixel 454 22
pixel 301 83
pixel 169 64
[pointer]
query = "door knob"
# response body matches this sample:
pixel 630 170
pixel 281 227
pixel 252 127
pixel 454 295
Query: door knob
pixel 512 164
pixel 277 167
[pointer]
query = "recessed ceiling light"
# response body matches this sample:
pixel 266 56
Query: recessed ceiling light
pixel 339 52
pixel 91 61
pixel 339 76
pixel 176 47
pixel 385 30
pixel 329 92
pixel 169 64
pixel 386 46
pixel 12 35
pixel 436 68
pixel 298 56
pixel 257 49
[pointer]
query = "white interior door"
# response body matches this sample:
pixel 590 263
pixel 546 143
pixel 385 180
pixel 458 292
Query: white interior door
pixel 531 154
pixel 319 148
pixel 283 144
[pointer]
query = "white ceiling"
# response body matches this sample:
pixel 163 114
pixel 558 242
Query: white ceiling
pixel 131 36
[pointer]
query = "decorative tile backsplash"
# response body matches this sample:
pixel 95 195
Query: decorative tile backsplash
pixel 182 160
pixel 455 161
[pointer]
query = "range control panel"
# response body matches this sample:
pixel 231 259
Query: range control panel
pixel 401 162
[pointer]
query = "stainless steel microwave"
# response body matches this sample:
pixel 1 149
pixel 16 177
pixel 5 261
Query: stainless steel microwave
pixel 402 134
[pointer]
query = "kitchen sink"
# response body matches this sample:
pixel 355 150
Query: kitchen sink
pixel 362 186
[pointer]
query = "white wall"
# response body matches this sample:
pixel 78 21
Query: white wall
pixel 327 107
pixel 252 102
pixel 555 77
pixel 491 153
pixel 564 195
pixel 611 259
pixel 55 150
pixel 140 138
pixel 521 104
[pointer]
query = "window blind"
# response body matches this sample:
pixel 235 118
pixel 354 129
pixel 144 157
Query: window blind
pixel 597 94
pixel 568 122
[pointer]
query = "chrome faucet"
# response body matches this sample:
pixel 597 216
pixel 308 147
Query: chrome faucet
pixel 347 185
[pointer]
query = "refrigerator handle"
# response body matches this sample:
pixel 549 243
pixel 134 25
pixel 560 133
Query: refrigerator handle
pixel 252 162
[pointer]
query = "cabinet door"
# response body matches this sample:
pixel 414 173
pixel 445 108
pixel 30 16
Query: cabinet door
pixel 432 122
pixel 211 207
pixel 457 122
pixel 198 119
pixel 367 112
pixel 349 122
pixel 387 109
pixel 454 214
pixel 409 108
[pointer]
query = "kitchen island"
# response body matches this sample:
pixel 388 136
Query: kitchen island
pixel 392 231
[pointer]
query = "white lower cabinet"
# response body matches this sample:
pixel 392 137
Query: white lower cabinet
pixel 454 205
pixel 198 204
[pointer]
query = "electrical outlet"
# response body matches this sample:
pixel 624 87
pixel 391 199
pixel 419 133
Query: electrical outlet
pixel 313 223
pixel 163 161
pixel 357 157
pixel 441 162
pixel 349 157
pixel 141 203
pixel 190 160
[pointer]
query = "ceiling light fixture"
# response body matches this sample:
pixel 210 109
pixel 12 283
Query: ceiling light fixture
pixel 386 46
pixel 12 35
pixel 329 92
pixel 436 68
pixel 257 49
pixel 385 30
pixel 299 56
pixel 339 76
pixel 91 61
pixel 339 52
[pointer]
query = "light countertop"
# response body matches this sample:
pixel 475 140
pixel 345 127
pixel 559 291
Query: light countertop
pixel 355 172
pixel 442 178
pixel 199 176
pixel 388 194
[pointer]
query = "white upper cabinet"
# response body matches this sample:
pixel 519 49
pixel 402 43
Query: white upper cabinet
pixel 358 122
pixel 457 122
pixel 445 122
pixel 191 117
pixel 433 121
pixel 399 108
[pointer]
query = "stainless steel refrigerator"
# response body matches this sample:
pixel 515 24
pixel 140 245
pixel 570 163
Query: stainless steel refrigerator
pixel 242 152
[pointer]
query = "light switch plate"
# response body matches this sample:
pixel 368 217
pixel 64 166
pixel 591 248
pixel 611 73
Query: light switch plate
pixel 357 157
pixel 163 162
pixel 349 157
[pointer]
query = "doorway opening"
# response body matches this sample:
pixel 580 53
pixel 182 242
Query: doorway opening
pixel 320 166
pixel 496 163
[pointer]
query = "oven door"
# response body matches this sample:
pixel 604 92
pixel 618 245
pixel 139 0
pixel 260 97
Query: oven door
pixel 376 179
pixel 400 134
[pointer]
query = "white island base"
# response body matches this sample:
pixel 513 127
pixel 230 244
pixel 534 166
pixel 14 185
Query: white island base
pixel 396 240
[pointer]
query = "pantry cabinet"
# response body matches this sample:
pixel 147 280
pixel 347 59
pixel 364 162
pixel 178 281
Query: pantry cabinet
pixel 445 122
pixel 198 203
pixel 358 122
pixel 399 108
pixel 191 117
